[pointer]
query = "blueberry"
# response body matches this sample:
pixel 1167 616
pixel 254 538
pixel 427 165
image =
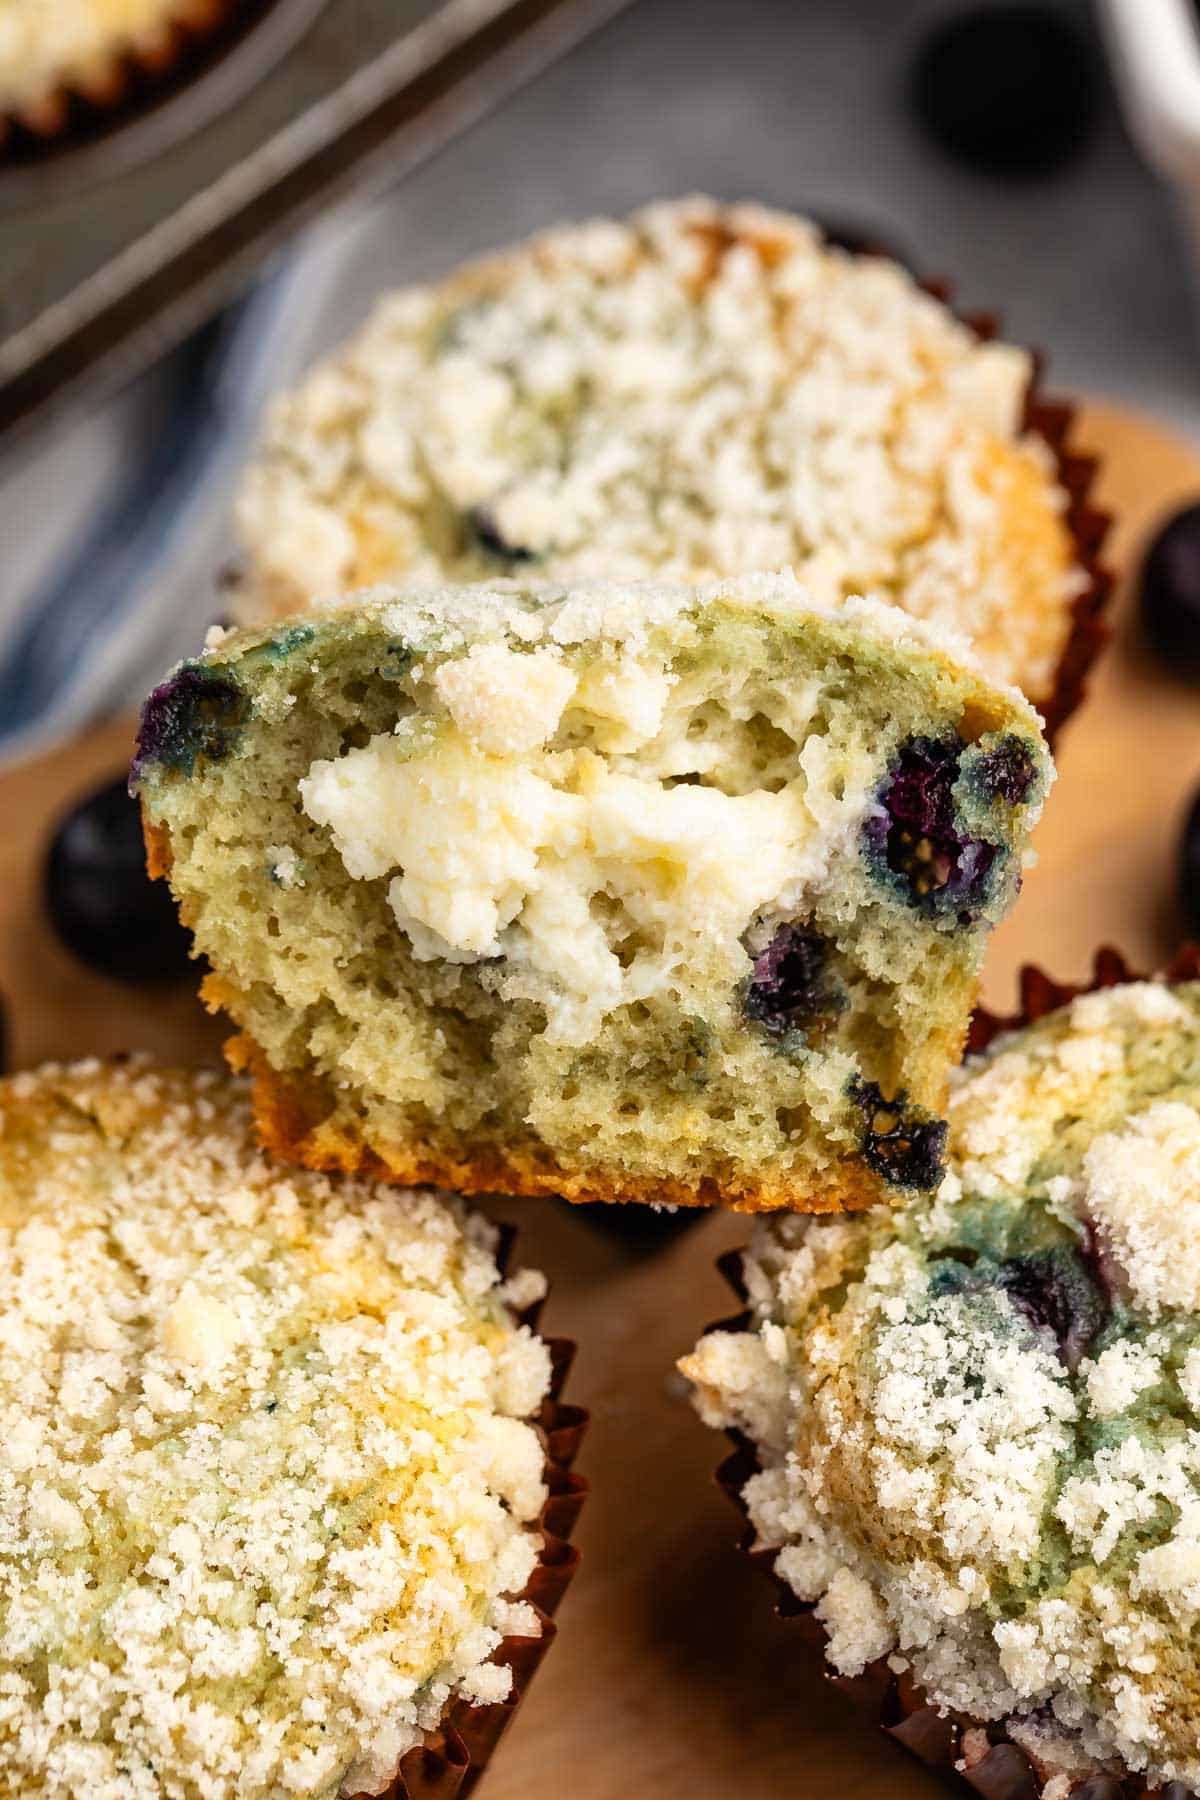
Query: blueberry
pixel 196 715
pixel 915 833
pixel 486 531
pixel 1056 1292
pixel 1009 90
pixel 1170 591
pixel 1007 771
pixel 903 1144
pixel 397 661
pixel 100 900
pixel 789 988
pixel 1189 869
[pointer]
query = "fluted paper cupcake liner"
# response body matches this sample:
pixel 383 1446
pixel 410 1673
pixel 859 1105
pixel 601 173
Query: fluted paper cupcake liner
pixel 452 1759
pixel 1051 420
pixel 116 77
pixel 1075 472
pixel 980 1754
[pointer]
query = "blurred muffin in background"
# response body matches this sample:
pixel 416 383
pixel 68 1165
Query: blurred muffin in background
pixel 57 52
pixel 703 390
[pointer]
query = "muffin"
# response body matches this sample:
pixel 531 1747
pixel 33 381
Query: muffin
pixel 272 1468
pixel 973 1425
pixel 701 391
pixel 52 51
pixel 630 893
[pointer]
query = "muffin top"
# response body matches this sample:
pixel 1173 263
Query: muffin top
pixel 265 1469
pixel 704 390
pixel 978 1419
pixel 43 45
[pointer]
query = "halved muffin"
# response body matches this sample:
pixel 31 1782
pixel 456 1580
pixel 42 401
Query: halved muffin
pixel 272 1474
pixel 698 392
pixel 659 893
pixel 976 1420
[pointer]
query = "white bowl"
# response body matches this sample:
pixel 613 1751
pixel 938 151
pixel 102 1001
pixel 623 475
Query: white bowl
pixel 1154 47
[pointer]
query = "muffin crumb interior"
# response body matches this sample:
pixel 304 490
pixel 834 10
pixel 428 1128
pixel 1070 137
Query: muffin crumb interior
pixel 631 890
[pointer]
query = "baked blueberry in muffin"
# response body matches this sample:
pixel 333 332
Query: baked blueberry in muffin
pixel 977 1417
pixel 618 892
pixel 697 392
pixel 270 1469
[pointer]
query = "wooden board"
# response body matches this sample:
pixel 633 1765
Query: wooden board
pixel 672 1677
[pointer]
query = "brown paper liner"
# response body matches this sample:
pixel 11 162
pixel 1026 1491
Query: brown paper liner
pixel 452 1758
pixel 1052 421
pixel 1002 1770
pixel 115 80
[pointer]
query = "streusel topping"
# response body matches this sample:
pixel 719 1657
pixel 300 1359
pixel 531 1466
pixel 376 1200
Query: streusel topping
pixel 978 1419
pixel 266 1475
pixel 701 391
pixel 47 42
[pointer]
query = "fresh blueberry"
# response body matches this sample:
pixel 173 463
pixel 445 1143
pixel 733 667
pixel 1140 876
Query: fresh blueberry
pixel 486 531
pixel 789 987
pixel 1009 90
pixel 100 900
pixel 196 715
pixel 904 1145
pixel 1189 869
pixel 1057 1293
pixel 915 836
pixel 1170 591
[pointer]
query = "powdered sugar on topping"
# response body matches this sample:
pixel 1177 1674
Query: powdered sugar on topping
pixel 265 1471
pixel 700 391
pixel 1142 1186
pixel 628 613
pixel 1023 1533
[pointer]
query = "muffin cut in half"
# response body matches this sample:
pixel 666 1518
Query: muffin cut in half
pixel 667 894
pixel 699 391
pixel 272 1456
pixel 972 1425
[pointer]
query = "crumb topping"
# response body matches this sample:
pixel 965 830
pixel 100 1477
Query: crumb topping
pixel 1142 1187
pixel 953 1470
pixel 701 391
pixel 266 1475
pixel 42 45
pixel 622 615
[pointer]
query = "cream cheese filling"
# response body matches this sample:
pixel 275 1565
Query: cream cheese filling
pixel 599 882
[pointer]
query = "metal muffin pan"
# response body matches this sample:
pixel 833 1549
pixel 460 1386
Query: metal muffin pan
pixel 111 252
